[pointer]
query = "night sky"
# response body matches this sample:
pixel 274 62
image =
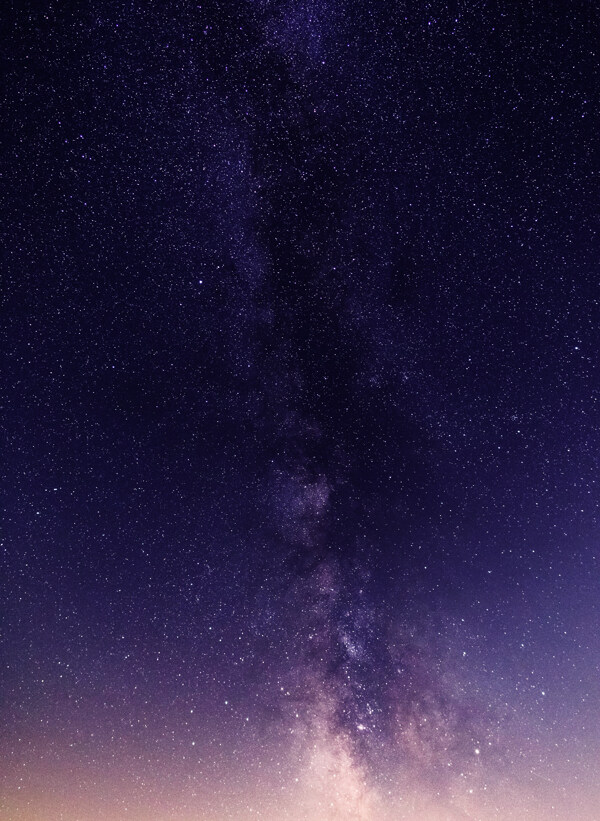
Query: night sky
pixel 300 411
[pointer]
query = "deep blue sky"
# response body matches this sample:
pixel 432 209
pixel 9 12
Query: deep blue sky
pixel 300 411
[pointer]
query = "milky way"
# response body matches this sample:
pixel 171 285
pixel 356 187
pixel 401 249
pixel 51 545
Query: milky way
pixel 300 412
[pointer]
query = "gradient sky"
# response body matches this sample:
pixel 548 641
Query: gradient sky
pixel 301 411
